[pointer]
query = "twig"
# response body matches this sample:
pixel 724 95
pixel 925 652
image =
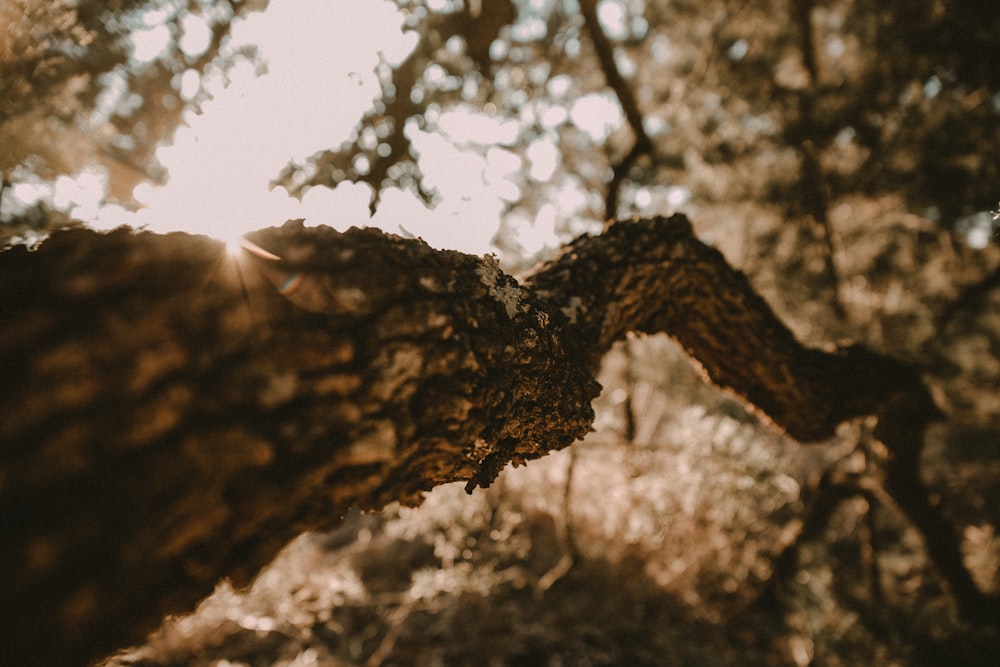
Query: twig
pixel 564 533
pixel 643 145
pixel 396 622
pixel 814 191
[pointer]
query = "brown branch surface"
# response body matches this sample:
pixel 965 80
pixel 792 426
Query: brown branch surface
pixel 654 276
pixel 171 415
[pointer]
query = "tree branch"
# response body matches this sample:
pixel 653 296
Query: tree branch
pixel 643 145
pixel 172 415
pixel 654 276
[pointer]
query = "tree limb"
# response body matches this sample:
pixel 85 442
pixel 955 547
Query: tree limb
pixel 172 415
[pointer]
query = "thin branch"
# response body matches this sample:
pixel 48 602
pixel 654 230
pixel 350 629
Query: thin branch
pixel 618 175
pixel 813 180
pixel 643 145
pixel 396 621
pixel 564 533
pixel 870 554
pixel 802 12
pixel 834 489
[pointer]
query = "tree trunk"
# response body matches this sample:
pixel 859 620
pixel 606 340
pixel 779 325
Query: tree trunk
pixel 171 414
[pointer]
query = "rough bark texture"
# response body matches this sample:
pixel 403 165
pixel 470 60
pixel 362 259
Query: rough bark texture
pixel 650 276
pixel 171 414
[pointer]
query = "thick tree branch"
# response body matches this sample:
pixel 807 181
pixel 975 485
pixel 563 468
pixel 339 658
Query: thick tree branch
pixel 654 276
pixel 172 415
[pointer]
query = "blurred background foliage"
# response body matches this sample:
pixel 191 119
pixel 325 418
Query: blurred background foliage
pixel 78 90
pixel 845 154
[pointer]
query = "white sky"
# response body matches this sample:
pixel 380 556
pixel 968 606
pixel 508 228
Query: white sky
pixel 320 79
pixel 320 57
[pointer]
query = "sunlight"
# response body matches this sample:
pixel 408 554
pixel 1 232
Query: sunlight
pixel 31 191
pixel 196 36
pixel 80 195
pixel 613 18
pixel 315 79
pixel 544 158
pixel 597 114
pixel 149 43
pixel 320 78
pixel 222 162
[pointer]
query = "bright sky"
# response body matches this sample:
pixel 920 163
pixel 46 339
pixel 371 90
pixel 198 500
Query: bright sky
pixel 320 79
pixel 320 57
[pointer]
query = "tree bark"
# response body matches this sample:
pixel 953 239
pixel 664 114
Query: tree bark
pixel 171 414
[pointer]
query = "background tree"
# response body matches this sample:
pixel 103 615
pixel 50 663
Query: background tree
pixel 842 155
